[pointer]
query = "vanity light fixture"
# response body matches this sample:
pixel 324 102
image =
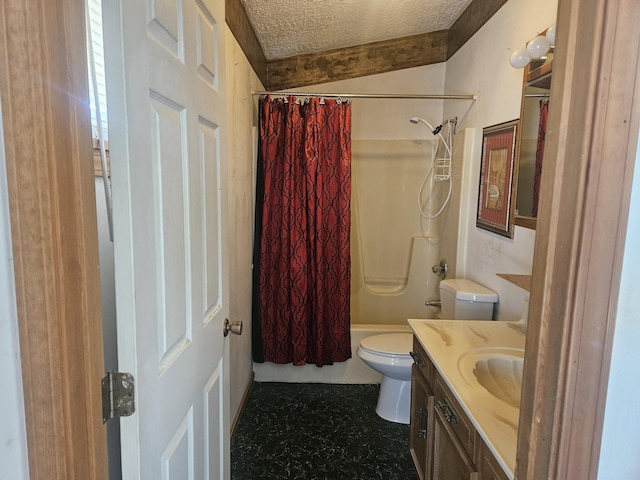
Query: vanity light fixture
pixel 536 48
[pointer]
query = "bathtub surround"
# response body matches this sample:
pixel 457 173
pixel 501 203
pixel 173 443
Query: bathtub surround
pixel 393 249
pixel 452 223
pixel 303 269
pixel 318 431
pixel 390 248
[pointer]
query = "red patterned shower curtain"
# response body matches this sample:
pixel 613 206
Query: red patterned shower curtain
pixel 302 270
pixel 542 131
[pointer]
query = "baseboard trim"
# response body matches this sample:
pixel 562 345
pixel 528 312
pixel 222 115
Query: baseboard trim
pixel 243 402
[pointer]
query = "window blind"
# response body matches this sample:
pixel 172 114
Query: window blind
pixel 94 8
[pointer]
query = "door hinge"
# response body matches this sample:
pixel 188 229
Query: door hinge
pixel 118 398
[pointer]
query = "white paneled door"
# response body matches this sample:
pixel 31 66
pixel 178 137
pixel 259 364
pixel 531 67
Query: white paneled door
pixel 166 99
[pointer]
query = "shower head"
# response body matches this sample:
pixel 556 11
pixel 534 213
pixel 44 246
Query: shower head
pixel 435 131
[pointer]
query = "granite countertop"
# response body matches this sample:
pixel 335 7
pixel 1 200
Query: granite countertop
pixel 453 346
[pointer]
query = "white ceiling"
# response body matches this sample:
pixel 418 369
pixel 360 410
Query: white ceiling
pixel 286 28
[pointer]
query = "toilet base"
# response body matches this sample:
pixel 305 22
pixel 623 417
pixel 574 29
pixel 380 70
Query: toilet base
pixel 394 400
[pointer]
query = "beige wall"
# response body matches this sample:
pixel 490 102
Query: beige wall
pixel 482 66
pixel 242 130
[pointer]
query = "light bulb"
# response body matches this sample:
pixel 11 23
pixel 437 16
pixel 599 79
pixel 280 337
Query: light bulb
pixel 551 34
pixel 538 47
pixel 520 58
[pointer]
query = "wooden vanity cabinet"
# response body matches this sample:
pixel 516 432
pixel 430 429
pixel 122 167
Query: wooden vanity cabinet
pixel 443 441
pixel 450 460
pixel 422 419
pixel 454 438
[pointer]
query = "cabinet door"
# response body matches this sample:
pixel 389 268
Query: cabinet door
pixel 491 469
pixel 450 461
pixel 421 430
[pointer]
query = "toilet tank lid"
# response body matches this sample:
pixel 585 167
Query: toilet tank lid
pixel 468 290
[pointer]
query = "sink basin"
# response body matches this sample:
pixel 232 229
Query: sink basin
pixel 497 370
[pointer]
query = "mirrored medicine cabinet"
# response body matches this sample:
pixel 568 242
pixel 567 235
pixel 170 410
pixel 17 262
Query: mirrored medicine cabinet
pixel 531 132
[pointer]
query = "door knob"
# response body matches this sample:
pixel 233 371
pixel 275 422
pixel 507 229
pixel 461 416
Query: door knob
pixel 235 327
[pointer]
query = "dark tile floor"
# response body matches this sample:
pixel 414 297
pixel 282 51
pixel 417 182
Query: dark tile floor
pixel 318 431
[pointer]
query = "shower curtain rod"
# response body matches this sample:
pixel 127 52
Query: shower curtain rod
pixel 373 95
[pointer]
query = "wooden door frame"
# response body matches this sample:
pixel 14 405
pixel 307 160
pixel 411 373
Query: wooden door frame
pixel 47 132
pixel 592 133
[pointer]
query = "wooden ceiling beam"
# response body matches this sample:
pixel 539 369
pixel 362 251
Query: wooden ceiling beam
pixel 472 19
pixel 239 24
pixel 360 60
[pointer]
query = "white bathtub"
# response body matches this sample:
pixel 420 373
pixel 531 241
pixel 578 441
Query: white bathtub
pixel 353 370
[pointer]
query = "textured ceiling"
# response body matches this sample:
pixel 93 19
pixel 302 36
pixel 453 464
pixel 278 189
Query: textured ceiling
pixel 286 28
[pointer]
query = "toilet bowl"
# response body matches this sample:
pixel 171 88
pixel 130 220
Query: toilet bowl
pixel 389 354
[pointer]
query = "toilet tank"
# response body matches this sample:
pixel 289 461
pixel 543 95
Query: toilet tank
pixel 464 299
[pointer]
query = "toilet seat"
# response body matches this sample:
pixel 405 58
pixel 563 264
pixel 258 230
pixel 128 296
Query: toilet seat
pixel 388 344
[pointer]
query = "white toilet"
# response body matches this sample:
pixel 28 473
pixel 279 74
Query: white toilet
pixel 389 353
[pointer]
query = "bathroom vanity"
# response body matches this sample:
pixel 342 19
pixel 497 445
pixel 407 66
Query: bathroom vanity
pixel 465 398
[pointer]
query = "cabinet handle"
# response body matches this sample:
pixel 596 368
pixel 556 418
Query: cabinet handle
pixel 417 359
pixel 449 414
pixel 423 423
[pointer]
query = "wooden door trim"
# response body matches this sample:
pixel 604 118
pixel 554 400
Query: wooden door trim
pixel 47 132
pixel 593 126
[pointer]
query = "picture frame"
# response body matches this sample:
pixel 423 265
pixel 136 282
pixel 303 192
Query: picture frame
pixel 496 194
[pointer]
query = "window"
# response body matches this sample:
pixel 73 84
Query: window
pixel 96 46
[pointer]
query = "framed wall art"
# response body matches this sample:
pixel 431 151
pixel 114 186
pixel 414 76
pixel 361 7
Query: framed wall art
pixel 496 193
